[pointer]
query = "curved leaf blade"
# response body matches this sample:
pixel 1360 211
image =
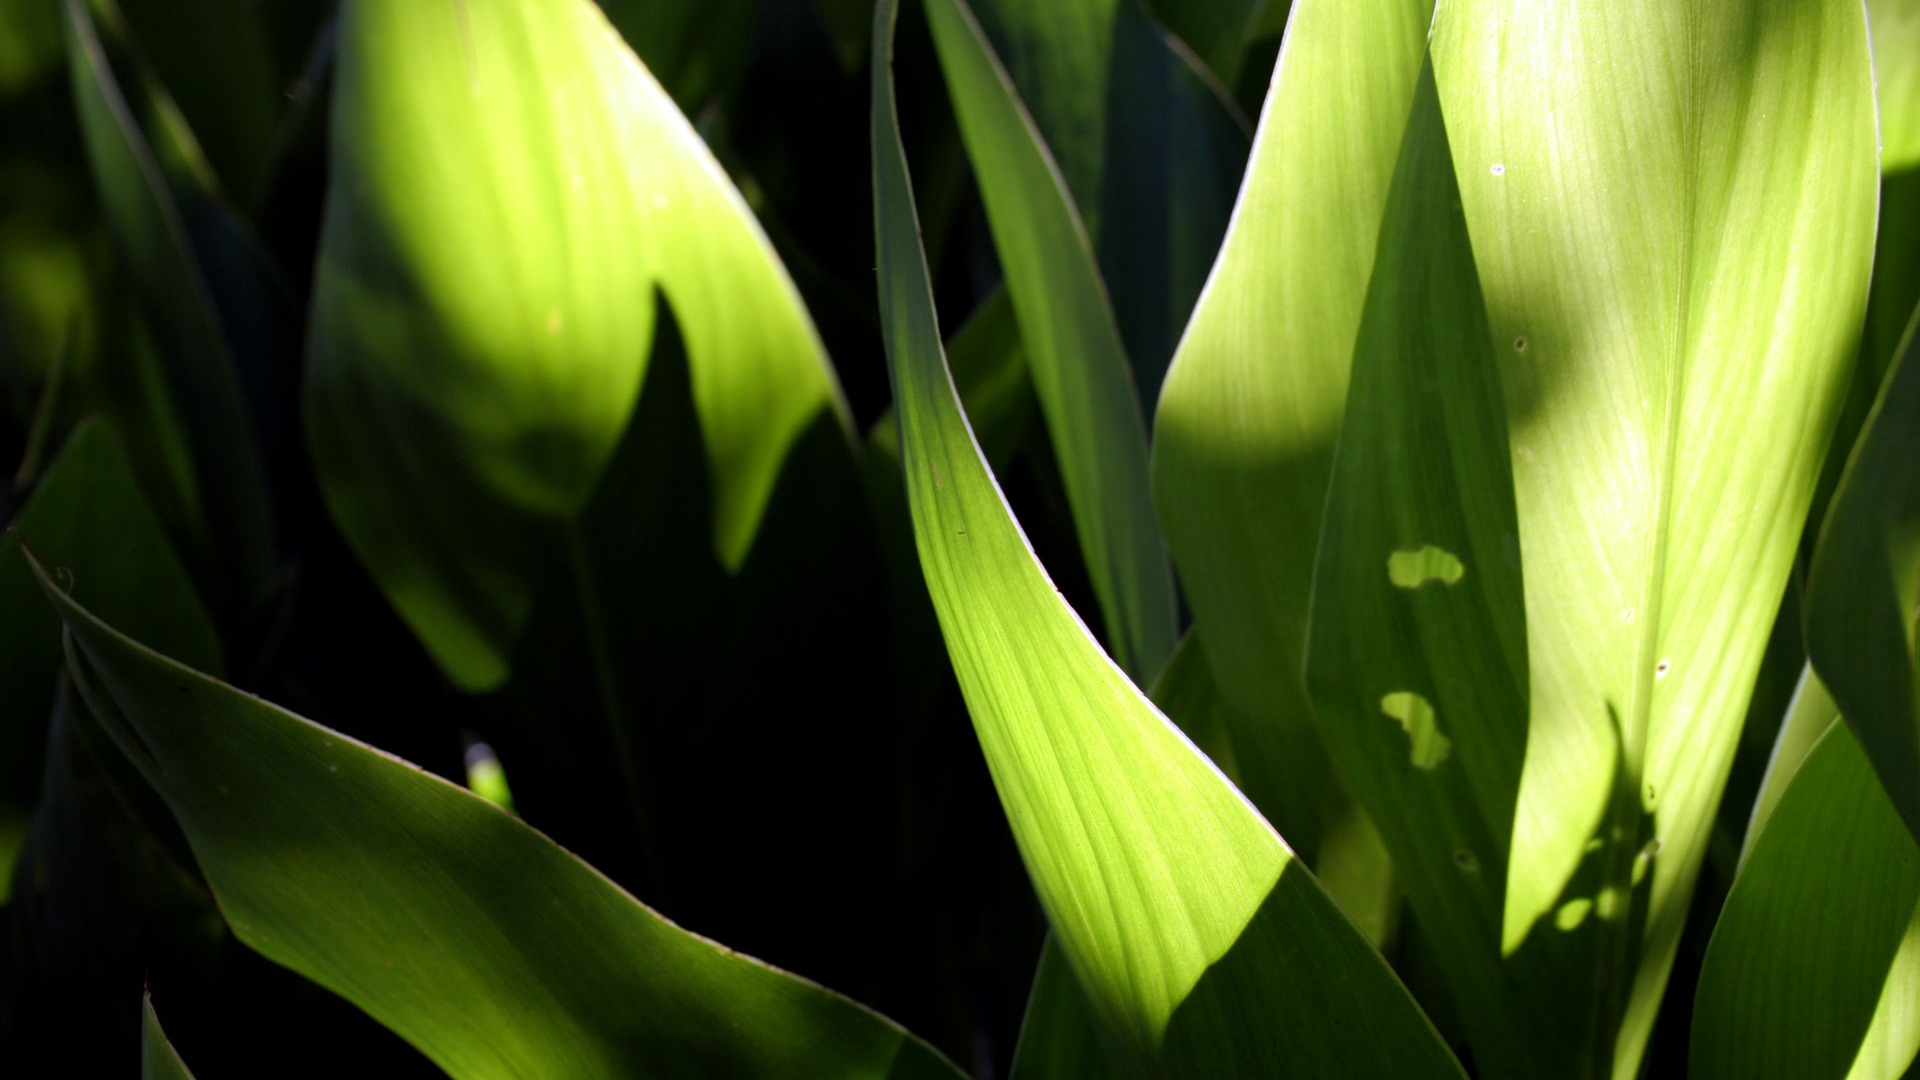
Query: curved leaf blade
pixel 1074 352
pixel 223 511
pixel 1864 590
pixel 449 921
pixel 1671 207
pixel 481 322
pixel 1814 935
pixel 158 1059
pixel 1244 433
pixel 1203 947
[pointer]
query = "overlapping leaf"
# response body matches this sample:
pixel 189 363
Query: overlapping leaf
pixel 217 502
pixel 1814 968
pixel 158 1059
pixel 1247 419
pixel 1202 945
pixel 1863 594
pixel 1074 351
pixel 508 185
pixel 449 921
pixel 1671 207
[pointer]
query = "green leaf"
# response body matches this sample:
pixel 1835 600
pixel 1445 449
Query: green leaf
pixel 1148 147
pixel 1203 947
pixel 1863 594
pixel 480 317
pixel 158 1059
pixel 87 518
pixel 1896 65
pixel 1672 208
pixel 1244 435
pixel 222 511
pixel 1814 966
pixel 1058 1038
pixel 449 921
pixel 1074 352
pixel 1417 647
pixel 1809 715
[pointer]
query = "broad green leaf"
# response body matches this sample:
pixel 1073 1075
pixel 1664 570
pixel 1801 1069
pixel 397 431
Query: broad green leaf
pixel 1896 63
pixel 87 518
pixel 1417 644
pixel 158 1059
pixel 1149 149
pixel 449 921
pixel 1809 715
pixel 1244 434
pixel 1203 947
pixel 1864 590
pixel 1074 352
pixel 1814 967
pixel 1671 208
pixel 222 510
pixel 508 185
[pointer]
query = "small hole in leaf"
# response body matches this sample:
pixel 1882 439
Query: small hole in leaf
pixel 1427 747
pixel 1519 344
pixel 1499 170
pixel 1412 569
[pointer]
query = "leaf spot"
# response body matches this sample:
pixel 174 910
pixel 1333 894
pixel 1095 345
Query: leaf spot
pixel 1412 569
pixel 1427 746
pixel 1660 669
pixel 1519 344
pixel 1499 170
pixel 1466 861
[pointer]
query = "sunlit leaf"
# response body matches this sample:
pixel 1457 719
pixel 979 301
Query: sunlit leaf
pixel 1417 655
pixel 1671 207
pixel 466 932
pixel 1203 947
pixel 508 185
pixel 1244 435
pixel 1078 364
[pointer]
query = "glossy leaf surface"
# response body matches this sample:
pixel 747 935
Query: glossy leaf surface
pixel 474 937
pixel 508 185
pixel 1203 947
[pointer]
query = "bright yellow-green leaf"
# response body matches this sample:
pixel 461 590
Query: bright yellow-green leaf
pixel 466 932
pixel 1203 947
pixel 1417 654
pixel 508 186
pixel 1896 68
pixel 1074 352
pixel 1671 206
pixel 1244 434
pixel 1863 594
pixel 1814 967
